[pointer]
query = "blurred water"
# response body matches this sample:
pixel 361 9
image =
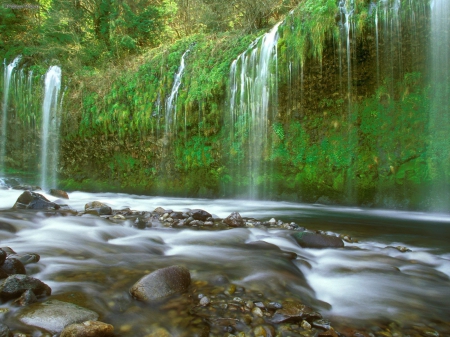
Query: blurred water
pixel 98 260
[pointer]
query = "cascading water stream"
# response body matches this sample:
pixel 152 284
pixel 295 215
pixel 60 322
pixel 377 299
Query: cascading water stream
pixel 50 128
pixel 439 125
pixel 171 102
pixel 253 93
pixel 8 73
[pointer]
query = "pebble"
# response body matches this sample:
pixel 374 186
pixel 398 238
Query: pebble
pixel 204 301
pixel 257 312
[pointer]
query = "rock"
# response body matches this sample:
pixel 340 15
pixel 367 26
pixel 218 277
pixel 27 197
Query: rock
pixel 15 285
pixel 88 329
pixel 13 266
pixel 4 226
pixel 55 315
pixel 159 332
pixel 329 333
pixel 313 240
pixel 4 331
pixel 27 187
pixel 2 256
pixel 234 220
pixel 27 298
pixel 305 325
pixel 32 200
pixel 161 283
pixel 204 301
pixel 196 223
pixel 159 210
pixel 97 208
pixel 293 312
pixel 199 214
pixel 26 258
pixel 59 193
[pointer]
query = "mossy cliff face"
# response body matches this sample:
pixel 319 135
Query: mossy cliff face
pixel 349 119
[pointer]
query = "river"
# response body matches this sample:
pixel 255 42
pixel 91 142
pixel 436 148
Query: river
pixel 369 284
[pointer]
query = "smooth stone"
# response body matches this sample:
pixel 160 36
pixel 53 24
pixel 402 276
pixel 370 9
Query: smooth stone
pixel 55 315
pixel 293 312
pixel 88 329
pixel 234 220
pixel 313 240
pixel 26 258
pixel 97 208
pixel 59 193
pixel 161 283
pixel 199 214
pixel 204 301
pixel 13 266
pixel 15 285
pixel 159 210
pixel 7 227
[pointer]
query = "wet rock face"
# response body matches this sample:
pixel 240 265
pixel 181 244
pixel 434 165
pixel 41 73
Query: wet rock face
pixel 15 285
pixel 4 331
pixel 32 200
pixel 161 283
pixel 234 220
pixel 2 256
pixel 55 315
pixel 313 240
pixel 88 329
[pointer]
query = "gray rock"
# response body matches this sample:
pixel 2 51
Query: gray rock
pixel 13 266
pixel 27 298
pixel 159 210
pixel 196 223
pixel 294 312
pixel 234 220
pixel 15 285
pixel 32 200
pixel 4 331
pixel 26 258
pixel 161 283
pixel 199 214
pixel 88 329
pixel 55 315
pixel 313 240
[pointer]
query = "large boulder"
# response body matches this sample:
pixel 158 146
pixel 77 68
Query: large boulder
pixel 199 214
pixel 15 285
pixel 234 220
pixel 55 315
pixel 161 283
pixel 314 240
pixel 2 256
pixel 32 200
pixel 88 329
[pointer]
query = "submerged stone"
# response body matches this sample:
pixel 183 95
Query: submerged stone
pixel 161 283
pixel 313 240
pixel 55 315
pixel 88 329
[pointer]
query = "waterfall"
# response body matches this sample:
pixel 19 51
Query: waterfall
pixel 50 128
pixel 171 102
pixel 8 73
pixel 253 96
pixel 439 125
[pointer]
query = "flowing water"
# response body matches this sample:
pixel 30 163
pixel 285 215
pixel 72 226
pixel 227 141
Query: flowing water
pixel 8 73
pixel 253 88
pixel 171 102
pixel 50 128
pixel 93 261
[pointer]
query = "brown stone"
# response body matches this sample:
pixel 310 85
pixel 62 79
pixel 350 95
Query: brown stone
pixel 88 329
